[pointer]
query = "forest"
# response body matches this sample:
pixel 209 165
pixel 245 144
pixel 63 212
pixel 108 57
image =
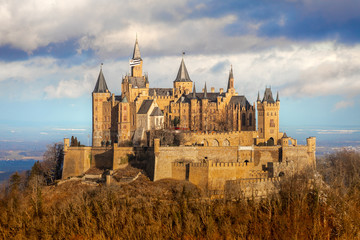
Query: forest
pixel 321 204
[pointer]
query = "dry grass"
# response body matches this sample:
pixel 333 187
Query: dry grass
pixel 170 209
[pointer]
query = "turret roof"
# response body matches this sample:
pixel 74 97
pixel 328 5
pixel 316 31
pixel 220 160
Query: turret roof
pixel 101 86
pixel 268 96
pixel 183 75
pixel 136 53
pixel 231 76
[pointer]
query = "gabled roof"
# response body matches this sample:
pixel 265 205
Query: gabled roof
pixel 136 53
pixel 157 112
pixel 183 75
pixel 268 96
pixel 285 136
pixel 145 106
pixel 101 86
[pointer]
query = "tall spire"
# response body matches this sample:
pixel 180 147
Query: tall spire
pixel 205 91
pixel 136 53
pixel 194 92
pixel 277 97
pixel 231 79
pixel 258 99
pixel 101 86
pixel 183 75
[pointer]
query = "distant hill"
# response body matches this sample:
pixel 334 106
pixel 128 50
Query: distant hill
pixel 8 167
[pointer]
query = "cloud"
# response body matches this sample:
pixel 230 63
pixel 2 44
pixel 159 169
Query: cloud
pixel 336 131
pixel 70 129
pixel 44 133
pixel 69 89
pixel 343 104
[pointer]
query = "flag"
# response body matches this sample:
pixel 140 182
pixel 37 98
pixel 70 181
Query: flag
pixel 134 62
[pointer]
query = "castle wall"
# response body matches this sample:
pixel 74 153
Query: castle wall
pixel 236 138
pixel 121 156
pixel 199 174
pixel 77 160
pixel 102 157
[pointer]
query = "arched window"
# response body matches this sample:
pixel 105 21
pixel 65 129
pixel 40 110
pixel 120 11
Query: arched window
pixel 250 119
pixel 215 143
pixel 243 119
pixel 226 142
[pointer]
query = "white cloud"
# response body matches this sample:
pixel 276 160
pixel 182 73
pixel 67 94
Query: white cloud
pixel 343 104
pixel 44 133
pixel 69 89
pixel 70 129
pixel 337 131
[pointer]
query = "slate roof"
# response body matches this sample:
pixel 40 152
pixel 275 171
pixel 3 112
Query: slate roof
pixel 100 86
pixel 145 106
pixel 161 91
pixel 231 76
pixel 268 96
pixel 138 82
pixel 183 75
pixel 240 100
pixel 157 112
pixel 212 97
pixel 121 99
pixel 136 53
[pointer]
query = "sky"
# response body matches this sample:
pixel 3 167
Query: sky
pixel 51 51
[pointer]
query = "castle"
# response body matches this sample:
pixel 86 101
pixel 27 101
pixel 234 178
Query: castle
pixel 221 141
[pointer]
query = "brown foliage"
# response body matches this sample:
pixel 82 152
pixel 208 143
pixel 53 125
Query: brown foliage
pixel 305 208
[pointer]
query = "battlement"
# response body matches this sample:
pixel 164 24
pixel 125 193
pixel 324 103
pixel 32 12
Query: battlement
pixel 214 133
pixel 244 181
pixel 229 164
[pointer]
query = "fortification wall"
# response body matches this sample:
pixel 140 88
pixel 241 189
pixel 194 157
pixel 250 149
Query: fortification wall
pixel 264 154
pixel 199 174
pixel 77 160
pixel 102 157
pixel 235 138
pixel 121 156
pixel 164 156
pixel 251 188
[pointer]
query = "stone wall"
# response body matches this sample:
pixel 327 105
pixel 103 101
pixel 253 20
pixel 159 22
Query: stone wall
pixel 235 138
pixel 77 160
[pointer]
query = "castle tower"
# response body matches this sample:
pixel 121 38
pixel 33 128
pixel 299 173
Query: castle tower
pixel 230 88
pixel 101 112
pixel 183 81
pixel 268 117
pixel 136 62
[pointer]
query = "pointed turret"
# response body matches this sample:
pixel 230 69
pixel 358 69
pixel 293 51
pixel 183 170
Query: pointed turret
pixel 101 86
pixel 277 97
pixel 268 96
pixel 258 98
pixel 205 91
pixel 183 75
pixel 136 53
pixel 124 100
pixel 136 61
pixel 231 80
pixel 194 92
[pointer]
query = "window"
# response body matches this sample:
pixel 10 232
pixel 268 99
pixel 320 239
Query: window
pixel 272 123
pixel 250 119
pixel 124 108
pixel 243 119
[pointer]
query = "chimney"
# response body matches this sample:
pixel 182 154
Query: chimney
pixel 221 90
pixel 212 89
